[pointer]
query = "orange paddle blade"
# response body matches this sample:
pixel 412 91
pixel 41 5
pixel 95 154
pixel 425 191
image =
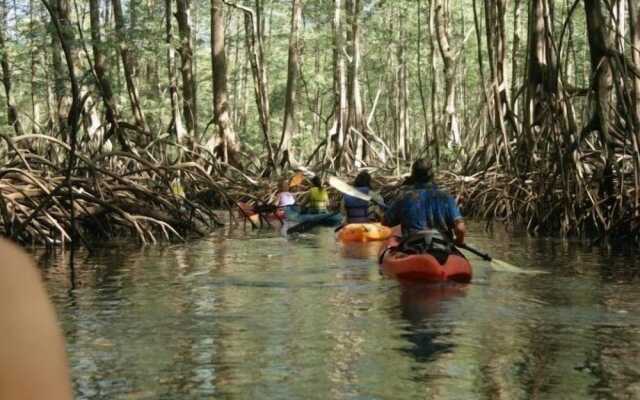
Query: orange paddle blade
pixel 296 179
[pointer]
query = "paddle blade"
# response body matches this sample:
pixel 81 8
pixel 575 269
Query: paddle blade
pixel 504 266
pixel 345 188
pixel 296 180
pixel 301 227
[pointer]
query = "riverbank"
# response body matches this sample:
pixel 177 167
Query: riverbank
pixel 144 196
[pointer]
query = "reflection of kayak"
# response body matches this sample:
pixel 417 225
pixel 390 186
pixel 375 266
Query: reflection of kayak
pixel 361 250
pixel 424 266
pixel 251 213
pixel 364 232
pixel 326 219
pixel 419 301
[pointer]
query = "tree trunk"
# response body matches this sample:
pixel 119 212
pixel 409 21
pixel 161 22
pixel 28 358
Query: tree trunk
pixel 123 45
pixel 421 89
pixel 183 16
pixel 515 50
pixel 496 46
pixel 599 44
pixel 12 111
pixel 442 26
pixel 100 64
pixel 317 101
pixel 336 134
pixel 237 70
pixel 435 123
pixel 176 117
pixel 357 131
pixel 634 30
pixel 262 24
pixel 134 53
pixel 541 76
pixel 634 26
pixel 289 123
pixel 254 47
pixel 402 130
pixel 62 101
pixel 35 62
pixel 619 14
pixel 226 147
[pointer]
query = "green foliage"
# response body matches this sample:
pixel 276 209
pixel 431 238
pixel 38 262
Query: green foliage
pixel 385 27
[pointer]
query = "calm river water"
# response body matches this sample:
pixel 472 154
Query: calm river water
pixel 252 315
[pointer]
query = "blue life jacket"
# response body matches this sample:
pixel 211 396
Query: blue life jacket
pixel 357 209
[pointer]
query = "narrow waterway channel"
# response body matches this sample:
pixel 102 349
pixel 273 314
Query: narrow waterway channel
pixel 254 315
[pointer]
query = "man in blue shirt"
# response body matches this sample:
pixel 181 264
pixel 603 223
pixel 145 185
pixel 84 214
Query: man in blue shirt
pixel 422 206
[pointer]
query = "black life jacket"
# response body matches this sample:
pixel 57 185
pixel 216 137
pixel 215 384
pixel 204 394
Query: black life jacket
pixel 357 209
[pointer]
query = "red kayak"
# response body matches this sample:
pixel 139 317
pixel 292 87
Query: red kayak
pixel 423 267
pixel 249 212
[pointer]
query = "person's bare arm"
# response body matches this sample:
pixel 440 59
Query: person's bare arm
pixel 33 363
pixel 459 229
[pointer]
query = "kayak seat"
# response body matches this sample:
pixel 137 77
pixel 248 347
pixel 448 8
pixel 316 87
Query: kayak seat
pixel 430 242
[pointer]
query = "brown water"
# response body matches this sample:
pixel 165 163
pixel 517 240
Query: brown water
pixel 257 316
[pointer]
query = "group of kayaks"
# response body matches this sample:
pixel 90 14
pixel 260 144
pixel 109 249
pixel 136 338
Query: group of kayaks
pixel 394 262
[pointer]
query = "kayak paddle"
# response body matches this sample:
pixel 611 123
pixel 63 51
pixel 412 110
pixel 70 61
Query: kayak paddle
pixel 345 188
pixel 499 265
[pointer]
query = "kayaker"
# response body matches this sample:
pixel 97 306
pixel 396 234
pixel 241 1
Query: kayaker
pixel 285 197
pixel 423 206
pixel 356 210
pixel 318 197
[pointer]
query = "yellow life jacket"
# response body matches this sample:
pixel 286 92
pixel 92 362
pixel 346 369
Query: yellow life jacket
pixel 318 199
pixel 177 189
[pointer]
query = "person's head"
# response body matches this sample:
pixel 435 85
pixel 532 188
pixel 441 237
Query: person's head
pixel 284 185
pixel 421 171
pixel 316 181
pixel 362 180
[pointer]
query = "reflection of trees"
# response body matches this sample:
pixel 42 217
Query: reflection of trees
pixel 346 341
pixel 529 344
pixel 614 363
pixel 91 309
pixel 519 350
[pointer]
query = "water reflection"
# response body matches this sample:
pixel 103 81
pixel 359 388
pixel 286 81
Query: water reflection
pixel 363 251
pixel 253 315
pixel 420 306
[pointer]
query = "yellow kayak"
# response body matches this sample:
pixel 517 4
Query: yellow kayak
pixel 364 232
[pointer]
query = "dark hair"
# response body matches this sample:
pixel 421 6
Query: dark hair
pixel 362 180
pixel 316 181
pixel 421 171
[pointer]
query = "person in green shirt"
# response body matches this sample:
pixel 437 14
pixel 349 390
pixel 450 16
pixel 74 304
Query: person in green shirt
pixel 318 197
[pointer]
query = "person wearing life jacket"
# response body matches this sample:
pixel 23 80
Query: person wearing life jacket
pixel 356 210
pixel 318 197
pixel 285 197
pixel 422 206
pixel 286 202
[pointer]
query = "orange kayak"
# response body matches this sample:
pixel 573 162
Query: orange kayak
pixel 364 232
pixel 423 267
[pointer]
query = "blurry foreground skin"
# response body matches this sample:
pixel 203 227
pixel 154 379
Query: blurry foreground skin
pixel 33 364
